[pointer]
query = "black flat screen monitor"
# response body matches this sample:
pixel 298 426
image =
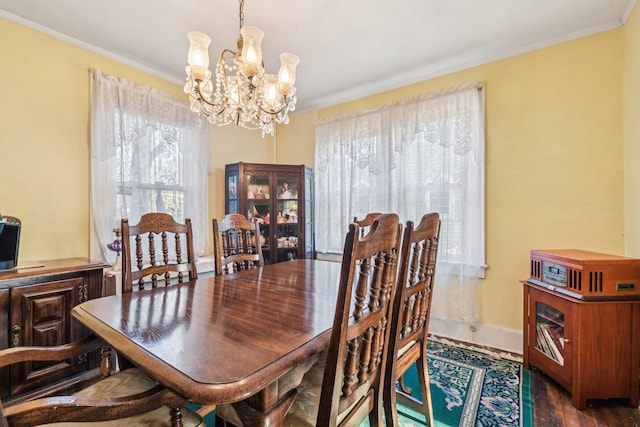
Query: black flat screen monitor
pixel 9 241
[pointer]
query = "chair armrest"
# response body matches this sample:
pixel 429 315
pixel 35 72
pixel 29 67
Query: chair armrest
pixel 14 355
pixel 83 409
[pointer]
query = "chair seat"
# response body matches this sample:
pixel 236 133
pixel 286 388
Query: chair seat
pixel 124 383
pixel 304 410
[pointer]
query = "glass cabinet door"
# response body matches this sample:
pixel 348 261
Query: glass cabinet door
pixel 232 194
pixel 287 217
pixel 258 206
pixel 550 332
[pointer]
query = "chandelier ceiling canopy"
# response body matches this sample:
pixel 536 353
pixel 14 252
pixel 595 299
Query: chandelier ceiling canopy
pixel 243 92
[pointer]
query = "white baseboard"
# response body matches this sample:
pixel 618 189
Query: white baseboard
pixel 477 333
pixel 206 264
pixel 329 257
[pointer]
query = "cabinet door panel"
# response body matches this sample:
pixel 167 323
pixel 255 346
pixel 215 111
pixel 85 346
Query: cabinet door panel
pixel 49 309
pixel 605 349
pixel 41 316
pixel 545 309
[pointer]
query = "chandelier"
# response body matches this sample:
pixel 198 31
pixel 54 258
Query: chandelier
pixel 243 93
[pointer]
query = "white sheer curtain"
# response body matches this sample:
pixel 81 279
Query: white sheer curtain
pixel 148 153
pixel 424 154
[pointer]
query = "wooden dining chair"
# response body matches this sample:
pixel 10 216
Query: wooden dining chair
pixel 346 385
pixel 164 255
pixel 170 259
pixel 365 223
pixel 121 399
pixel 236 244
pixel 410 321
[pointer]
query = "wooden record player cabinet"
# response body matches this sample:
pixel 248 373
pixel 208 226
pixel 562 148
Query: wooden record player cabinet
pixel 589 344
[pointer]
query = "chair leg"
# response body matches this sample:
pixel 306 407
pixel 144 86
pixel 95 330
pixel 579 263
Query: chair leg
pixel 377 415
pixel 106 365
pixel 389 402
pixel 425 390
pixel 176 417
pixel 424 405
pixel 220 422
pixel 403 387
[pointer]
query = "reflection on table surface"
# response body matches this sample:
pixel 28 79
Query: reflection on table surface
pixel 221 338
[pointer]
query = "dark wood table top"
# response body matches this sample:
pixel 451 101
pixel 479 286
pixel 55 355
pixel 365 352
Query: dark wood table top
pixel 221 339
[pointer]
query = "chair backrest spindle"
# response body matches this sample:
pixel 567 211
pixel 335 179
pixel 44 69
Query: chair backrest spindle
pixel 236 244
pixel 149 268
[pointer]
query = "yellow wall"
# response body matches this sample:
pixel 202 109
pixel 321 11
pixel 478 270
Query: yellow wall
pixel 632 133
pixel 296 140
pixel 554 157
pixel 44 138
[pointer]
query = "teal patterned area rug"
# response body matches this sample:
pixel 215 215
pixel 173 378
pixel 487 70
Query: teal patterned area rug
pixel 469 388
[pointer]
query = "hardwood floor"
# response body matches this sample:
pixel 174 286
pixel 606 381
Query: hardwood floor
pixel 552 407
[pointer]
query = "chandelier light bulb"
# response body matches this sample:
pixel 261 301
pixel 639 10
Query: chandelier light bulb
pixel 198 57
pixel 199 49
pixel 287 73
pixel 251 51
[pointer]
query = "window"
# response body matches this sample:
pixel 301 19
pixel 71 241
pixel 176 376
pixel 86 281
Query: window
pixel 148 154
pixel 420 155
pixel 150 173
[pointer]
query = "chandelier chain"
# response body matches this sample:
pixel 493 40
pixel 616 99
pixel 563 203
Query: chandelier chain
pixel 241 14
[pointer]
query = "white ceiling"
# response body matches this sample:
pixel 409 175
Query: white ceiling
pixel 348 48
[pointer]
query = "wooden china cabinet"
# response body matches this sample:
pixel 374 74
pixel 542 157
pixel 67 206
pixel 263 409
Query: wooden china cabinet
pixel 582 323
pixel 35 309
pixel 280 196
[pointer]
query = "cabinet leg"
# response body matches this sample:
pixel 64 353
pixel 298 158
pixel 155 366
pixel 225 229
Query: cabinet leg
pixel 578 401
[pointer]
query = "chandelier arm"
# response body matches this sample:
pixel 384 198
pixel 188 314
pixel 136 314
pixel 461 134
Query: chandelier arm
pixel 272 112
pixel 202 98
pixel 232 52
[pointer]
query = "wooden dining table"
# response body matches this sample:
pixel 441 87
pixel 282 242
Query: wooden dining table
pixel 245 338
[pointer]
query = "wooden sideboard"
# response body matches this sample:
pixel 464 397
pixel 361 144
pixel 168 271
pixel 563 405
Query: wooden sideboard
pixel 35 309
